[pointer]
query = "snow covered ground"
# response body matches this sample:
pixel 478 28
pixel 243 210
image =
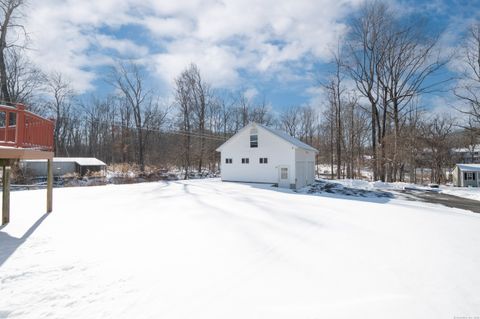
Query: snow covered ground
pixel 207 249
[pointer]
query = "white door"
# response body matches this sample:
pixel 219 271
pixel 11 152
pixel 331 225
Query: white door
pixel 310 172
pixel 283 177
pixel 301 176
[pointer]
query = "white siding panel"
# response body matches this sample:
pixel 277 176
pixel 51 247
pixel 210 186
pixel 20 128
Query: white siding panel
pixel 277 151
pixel 301 174
pixel 306 166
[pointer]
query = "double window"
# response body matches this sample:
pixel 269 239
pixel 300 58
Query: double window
pixel 469 176
pixel 245 161
pixel 253 140
pixel 228 161
pixel 263 160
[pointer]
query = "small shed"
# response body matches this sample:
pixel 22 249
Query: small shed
pixel 261 154
pixel 466 175
pixel 63 166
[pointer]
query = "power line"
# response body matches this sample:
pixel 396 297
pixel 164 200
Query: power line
pixel 176 132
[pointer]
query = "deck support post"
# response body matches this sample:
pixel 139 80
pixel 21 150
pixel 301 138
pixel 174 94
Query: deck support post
pixel 6 195
pixel 49 185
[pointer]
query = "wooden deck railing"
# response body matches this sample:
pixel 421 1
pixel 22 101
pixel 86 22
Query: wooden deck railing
pixel 24 129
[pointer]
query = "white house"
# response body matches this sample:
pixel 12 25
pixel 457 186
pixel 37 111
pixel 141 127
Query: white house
pixel 466 175
pixel 260 154
pixel 467 155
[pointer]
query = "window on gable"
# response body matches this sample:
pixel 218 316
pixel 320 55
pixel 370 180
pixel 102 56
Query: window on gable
pixel 263 160
pixel 245 160
pixel 254 140
pixel 228 161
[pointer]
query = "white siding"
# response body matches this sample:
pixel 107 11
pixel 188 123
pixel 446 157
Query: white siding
pixel 456 177
pixel 280 152
pixel 277 151
pixel 305 167
pixel 459 178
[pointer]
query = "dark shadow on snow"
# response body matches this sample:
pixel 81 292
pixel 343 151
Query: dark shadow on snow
pixel 334 190
pixel 9 244
pixel 321 186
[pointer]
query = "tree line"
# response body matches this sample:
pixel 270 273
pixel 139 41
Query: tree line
pixel 378 116
pixel 373 116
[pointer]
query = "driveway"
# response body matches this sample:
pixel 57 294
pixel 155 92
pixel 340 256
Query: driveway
pixel 444 199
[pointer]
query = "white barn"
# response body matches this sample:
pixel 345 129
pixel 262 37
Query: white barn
pixel 260 154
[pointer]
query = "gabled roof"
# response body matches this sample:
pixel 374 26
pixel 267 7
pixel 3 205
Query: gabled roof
pixel 469 167
pixel 289 138
pixel 284 136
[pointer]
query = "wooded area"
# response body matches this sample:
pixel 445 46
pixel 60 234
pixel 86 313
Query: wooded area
pixel 373 115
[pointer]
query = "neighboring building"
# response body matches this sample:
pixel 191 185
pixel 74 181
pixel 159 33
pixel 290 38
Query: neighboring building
pixel 466 175
pixel 470 155
pixel 63 166
pixel 260 154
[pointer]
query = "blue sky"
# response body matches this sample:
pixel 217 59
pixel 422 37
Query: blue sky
pixel 271 48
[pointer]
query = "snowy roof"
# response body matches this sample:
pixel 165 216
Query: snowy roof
pixel 82 161
pixel 466 149
pixel 289 138
pixel 469 167
pixel 284 136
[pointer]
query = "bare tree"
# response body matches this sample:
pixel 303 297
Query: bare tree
pixel 390 60
pixel 290 121
pixel 308 124
pixel 194 100
pixel 260 113
pixel 60 100
pixel 436 136
pixel 365 52
pixel 129 79
pixel 335 91
pixel 243 108
pixel 200 97
pixel 183 99
pixel 468 89
pixel 8 20
pixel 411 57
pixel 24 79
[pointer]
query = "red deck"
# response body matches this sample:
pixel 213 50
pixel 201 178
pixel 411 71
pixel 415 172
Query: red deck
pixel 23 129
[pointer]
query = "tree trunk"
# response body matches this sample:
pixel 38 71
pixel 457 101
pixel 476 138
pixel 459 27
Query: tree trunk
pixel 3 46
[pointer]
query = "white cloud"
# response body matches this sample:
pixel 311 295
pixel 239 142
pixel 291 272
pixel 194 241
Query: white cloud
pixel 250 93
pixel 446 106
pixel 216 63
pixel 225 38
pixel 124 47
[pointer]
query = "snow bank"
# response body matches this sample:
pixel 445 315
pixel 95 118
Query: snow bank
pixel 207 249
